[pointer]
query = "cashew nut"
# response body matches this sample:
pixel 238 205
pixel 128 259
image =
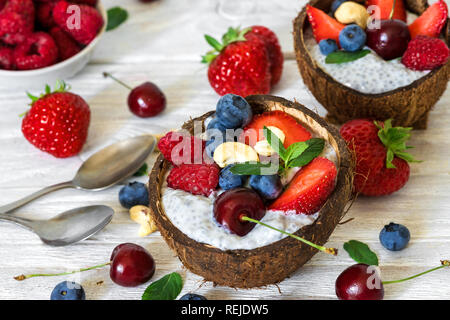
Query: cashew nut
pixel 263 147
pixel 141 215
pixel 234 152
pixel 352 12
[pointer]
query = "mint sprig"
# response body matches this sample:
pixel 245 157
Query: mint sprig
pixel 394 139
pixel 345 56
pixel 166 288
pixel 361 253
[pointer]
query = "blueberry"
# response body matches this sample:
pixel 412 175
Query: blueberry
pixel 352 38
pixel 228 180
pixel 233 111
pixel 269 187
pixel 327 46
pixel 192 296
pixel 335 5
pixel 68 290
pixel 216 124
pixel 394 237
pixel 133 194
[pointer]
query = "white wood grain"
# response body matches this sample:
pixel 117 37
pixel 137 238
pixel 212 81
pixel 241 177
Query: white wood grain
pixel 162 42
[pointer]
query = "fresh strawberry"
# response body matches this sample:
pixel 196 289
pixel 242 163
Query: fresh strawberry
pixel 294 131
pixel 425 53
pixel 309 189
pixel 431 21
pixel 178 148
pixel 198 179
pixel 90 20
pixel 67 47
pixel 385 8
pixel 323 26
pixel 273 48
pixel 57 122
pixel 14 28
pixel 240 65
pixel 6 58
pixel 37 51
pixel 44 14
pixel 381 160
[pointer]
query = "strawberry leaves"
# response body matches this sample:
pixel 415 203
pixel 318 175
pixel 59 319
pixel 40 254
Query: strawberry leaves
pixel 394 139
pixel 232 35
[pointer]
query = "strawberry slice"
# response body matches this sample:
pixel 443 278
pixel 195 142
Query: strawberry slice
pixel 309 189
pixel 293 130
pixel 386 8
pixel 431 21
pixel 323 26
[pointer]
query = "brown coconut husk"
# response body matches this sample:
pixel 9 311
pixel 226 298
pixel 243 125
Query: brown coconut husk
pixel 408 106
pixel 272 263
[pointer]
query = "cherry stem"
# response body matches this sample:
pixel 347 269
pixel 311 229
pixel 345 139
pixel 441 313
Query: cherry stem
pixel 332 251
pixel 107 74
pixel 392 10
pixel 24 277
pixel 444 263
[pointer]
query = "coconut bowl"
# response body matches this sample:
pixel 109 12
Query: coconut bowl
pixel 272 263
pixel 408 106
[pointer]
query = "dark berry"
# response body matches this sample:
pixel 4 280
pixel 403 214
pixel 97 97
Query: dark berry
pixel 327 46
pixel 228 180
pixel 233 111
pixel 269 187
pixel 360 282
pixel 390 40
pixel 146 100
pixel 68 290
pixel 352 38
pixel 335 5
pixel 192 296
pixel 133 194
pixel 394 237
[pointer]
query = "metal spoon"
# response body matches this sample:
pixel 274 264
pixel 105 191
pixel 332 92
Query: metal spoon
pixel 68 227
pixel 103 169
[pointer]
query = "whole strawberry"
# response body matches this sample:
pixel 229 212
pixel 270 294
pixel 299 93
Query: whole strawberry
pixel 425 53
pixel 57 122
pixel 239 65
pixel 381 161
pixel 89 23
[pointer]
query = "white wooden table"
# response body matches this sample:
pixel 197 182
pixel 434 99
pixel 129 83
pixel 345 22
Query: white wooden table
pixel 162 42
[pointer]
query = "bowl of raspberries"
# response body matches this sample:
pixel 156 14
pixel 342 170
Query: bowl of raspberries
pixel 42 41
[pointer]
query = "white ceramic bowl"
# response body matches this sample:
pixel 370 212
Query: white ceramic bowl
pixel 59 71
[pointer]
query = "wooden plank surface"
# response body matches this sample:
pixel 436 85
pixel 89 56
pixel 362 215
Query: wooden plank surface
pixel 162 42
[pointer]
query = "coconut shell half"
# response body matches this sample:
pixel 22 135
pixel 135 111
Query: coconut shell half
pixel 272 263
pixel 408 106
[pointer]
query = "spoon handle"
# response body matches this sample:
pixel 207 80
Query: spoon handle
pixel 27 224
pixel 19 203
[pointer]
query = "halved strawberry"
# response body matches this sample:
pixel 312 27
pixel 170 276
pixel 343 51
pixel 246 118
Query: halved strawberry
pixel 309 189
pixel 323 26
pixel 431 21
pixel 386 8
pixel 293 130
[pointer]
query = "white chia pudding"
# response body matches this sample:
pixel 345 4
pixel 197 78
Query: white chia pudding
pixel 370 74
pixel 193 215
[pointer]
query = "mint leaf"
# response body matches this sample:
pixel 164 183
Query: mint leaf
pixel 345 56
pixel 116 16
pixel 295 150
pixel 315 147
pixel 361 253
pixel 252 168
pixel 275 143
pixel 166 288
pixel 142 171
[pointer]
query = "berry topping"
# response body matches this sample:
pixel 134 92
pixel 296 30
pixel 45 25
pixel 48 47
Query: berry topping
pixel 394 237
pixel 232 205
pixel 390 40
pixel 179 148
pixel 269 187
pixel 198 179
pixel 352 38
pixel 425 53
pixel 233 111
pixel 385 9
pixel 36 51
pixel 352 283
pixel 323 26
pixel 192 296
pixel 309 189
pixel 431 21
pixel 68 290
pixel 327 46
pixel 228 180
pixel 133 194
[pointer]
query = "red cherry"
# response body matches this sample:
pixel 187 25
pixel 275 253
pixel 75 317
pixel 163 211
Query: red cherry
pixel 146 100
pixel 359 282
pixel 131 265
pixel 390 40
pixel 231 205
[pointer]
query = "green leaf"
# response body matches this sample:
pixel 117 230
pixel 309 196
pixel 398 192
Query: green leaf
pixel 360 252
pixel 295 150
pixel 116 16
pixel 142 171
pixel 166 288
pixel 345 56
pixel 254 168
pixel 275 143
pixel 315 147
pixel 213 43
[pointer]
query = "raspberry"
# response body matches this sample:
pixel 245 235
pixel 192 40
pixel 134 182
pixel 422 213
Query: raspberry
pixel 37 51
pixel 67 47
pixel 14 28
pixel 189 149
pixel 6 58
pixel 425 53
pixel 44 14
pixel 198 179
